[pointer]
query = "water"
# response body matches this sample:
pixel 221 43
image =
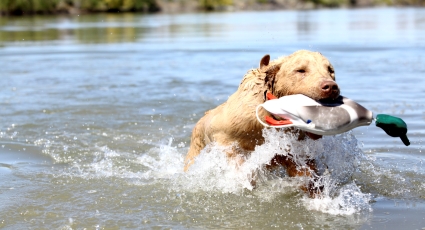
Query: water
pixel 96 113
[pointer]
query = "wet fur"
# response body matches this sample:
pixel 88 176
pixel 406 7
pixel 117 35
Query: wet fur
pixel 234 121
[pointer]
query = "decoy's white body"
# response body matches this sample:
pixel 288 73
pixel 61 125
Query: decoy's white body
pixel 332 118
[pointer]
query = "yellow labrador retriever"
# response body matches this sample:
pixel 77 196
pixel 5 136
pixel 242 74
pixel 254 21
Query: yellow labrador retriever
pixel 234 122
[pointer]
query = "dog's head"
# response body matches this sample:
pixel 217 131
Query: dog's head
pixel 303 72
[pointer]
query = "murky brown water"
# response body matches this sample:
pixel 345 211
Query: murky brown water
pixel 96 113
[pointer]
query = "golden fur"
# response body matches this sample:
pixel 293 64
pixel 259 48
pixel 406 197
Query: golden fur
pixel 234 121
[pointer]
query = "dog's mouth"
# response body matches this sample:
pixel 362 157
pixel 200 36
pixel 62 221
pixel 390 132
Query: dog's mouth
pixel 337 99
pixel 327 101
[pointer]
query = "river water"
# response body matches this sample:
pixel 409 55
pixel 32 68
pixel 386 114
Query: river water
pixel 96 113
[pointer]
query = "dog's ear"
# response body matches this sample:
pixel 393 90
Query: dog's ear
pixel 265 61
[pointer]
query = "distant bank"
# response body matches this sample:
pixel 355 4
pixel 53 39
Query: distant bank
pixel 27 7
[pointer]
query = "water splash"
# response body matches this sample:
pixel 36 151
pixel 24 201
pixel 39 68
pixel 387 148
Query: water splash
pixel 348 200
pixel 337 158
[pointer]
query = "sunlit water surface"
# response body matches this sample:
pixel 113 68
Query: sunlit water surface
pixel 96 113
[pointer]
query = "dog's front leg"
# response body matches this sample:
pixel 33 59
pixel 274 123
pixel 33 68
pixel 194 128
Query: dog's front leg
pixel 293 171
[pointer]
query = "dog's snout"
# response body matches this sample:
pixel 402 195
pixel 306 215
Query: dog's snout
pixel 330 89
pixel 329 86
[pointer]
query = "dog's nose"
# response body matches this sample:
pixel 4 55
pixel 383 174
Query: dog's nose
pixel 330 89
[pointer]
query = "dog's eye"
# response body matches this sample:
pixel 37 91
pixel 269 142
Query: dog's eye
pixel 301 71
pixel 331 70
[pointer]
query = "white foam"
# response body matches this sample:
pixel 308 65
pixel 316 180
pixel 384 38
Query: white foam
pixel 348 200
pixel 337 158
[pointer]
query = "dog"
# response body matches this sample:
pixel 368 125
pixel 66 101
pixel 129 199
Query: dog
pixel 234 122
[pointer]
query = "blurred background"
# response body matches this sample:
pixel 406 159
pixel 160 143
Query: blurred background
pixel 98 99
pixel 25 7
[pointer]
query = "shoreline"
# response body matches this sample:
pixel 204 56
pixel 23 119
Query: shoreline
pixel 74 7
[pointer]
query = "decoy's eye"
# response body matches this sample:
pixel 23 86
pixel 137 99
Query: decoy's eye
pixel 301 71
